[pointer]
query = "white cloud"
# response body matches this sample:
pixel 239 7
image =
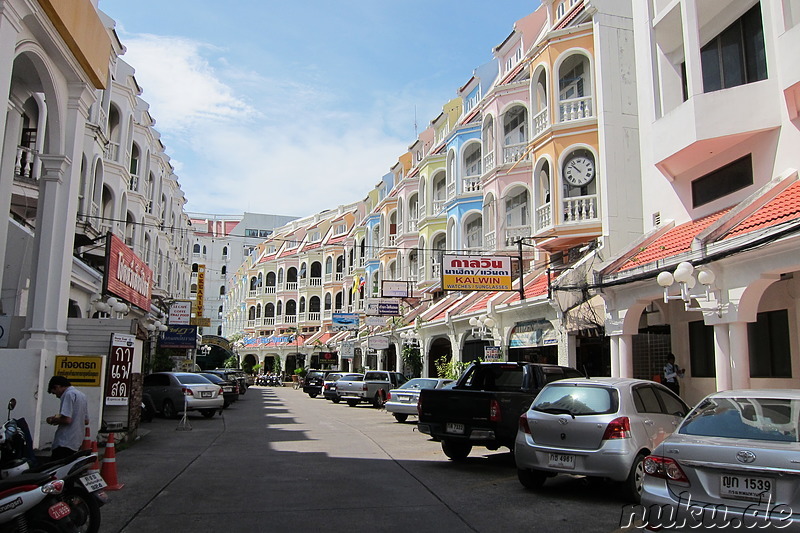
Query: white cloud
pixel 242 142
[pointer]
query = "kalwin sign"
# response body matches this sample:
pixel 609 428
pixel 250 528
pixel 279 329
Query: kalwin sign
pixel 127 276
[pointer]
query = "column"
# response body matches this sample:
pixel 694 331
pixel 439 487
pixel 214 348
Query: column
pixel 614 355
pixel 8 40
pixel 740 358
pixel 722 359
pixel 626 356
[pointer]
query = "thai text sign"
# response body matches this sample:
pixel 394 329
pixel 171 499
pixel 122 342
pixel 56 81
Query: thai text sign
pixel 79 370
pixel 120 367
pixel 179 337
pixel 348 349
pixel 395 289
pixel 378 343
pixel 382 307
pixel 491 353
pixel 127 276
pixel 180 313
pixel 476 273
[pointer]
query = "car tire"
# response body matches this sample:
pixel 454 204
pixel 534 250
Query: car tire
pixel 168 410
pixel 378 400
pixel 352 403
pixel 456 451
pixel 336 399
pixel 635 481
pixel 400 417
pixel 312 394
pixel 208 413
pixel 531 479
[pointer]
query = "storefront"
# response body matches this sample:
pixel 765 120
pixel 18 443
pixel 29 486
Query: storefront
pixel 533 341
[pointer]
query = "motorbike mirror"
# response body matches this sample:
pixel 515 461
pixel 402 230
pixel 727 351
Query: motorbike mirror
pixel 12 403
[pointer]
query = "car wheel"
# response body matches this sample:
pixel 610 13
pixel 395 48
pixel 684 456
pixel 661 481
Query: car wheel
pixel 226 404
pixel 168 410
pixel 635 481
pixel 312 394
pixel 352 403
pixel 400 417
pixel 208 413
pixel 531 479
pixel 378 401
pixel 456 451
pixel 336 399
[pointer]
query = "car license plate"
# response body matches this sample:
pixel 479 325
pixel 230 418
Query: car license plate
pixel 753 489
pixel 58 511
pixel 458 429
pixel 93 482
pixel 205 394
pixel 561 460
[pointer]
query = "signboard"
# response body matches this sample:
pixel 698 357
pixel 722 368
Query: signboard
pixel 344 322
pixel 202 321
pixel 179 337
pixel 492 353
pixel 377 342
pixel 395 289
pixel 476 273
pixel 81 371
pixel 201 288
pixel 348 349
pixel 381 307
pixel 180 313
pixel 216 340
pixel 375 321
pixel 533 333
pixel 127 276
pixel 120 367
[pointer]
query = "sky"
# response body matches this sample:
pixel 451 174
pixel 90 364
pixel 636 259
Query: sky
pixel 292 108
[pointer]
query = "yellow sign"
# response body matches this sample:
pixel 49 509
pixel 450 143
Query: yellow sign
pixel 81 371
pixel 203 322
pixel 476 273
pixel 201 287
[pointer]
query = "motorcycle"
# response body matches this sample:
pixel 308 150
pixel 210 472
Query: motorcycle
pixel 30 503
pixel 82 489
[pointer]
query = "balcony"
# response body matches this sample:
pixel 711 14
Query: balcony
pixel 436 271
pixel 251 324
pixel 291 286
pixel 134 184
pixel 27 165
pixel 411 226
pixel 438 206
pixel 544 216
pixel 314 316
pixel 515 152
pixel 488 161
pixel 490 240
pixel 362 261
pixel 290 319
pixel 327 314
pixel 350 270
pixel 451 190
pixel 471 184
pixel 516 233
pixel 252 294
pixel 392 241
pixel 575 109
pixel 269 321
pixel 339 276
pixel 269 289
pixel 541 121
pixel 112 151
pixel 580 209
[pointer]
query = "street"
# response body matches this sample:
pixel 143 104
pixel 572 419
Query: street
pixel 278 460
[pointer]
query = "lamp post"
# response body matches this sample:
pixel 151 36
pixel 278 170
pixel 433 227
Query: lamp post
pixel 684 276
pixel 482 326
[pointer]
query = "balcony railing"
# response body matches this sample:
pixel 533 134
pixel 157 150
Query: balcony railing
pixel 575 109
pixel 112 151
pixel 436 271
pixel 290 319
pixel 339 276
pixel 269 321
pixel 291 285
pixel 514 152
pixel 544 216
pixel 315 282
pixel 471 184
pixel 314 316
pixel 301 317
pixel 134 184
pixel 490 240
pixel 327 314
pixel 451 190
pixel 27 164
pixel 411 226
pixel 350 270
pixel 438 206
pixel 516 233
pixel 541 121
pixel 580 208
pixel 392 241
pixel 488 161
pixel 362 261
pixel 252 294
pixel 269 289
pixel 251 323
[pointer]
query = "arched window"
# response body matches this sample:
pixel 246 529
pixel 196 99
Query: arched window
pixel 196 249
pixel 224 252
pixel 224 270
pixel 327 301
pixel 222 290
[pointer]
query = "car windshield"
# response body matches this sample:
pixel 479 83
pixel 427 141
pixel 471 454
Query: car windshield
pixel 576 400
pixel 745 418
pixel 315 375
pixel 419 383
pixel 213 378
pixel 192 379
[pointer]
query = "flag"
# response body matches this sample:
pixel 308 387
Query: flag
pixel 356 281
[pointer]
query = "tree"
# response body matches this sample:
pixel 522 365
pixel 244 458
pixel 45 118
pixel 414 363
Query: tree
pixel 231 362
pixel 412 359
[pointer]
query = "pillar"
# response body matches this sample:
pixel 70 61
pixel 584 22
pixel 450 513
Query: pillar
pixel 626 356
pixel 722 359
pixel 740 358
pixel 614 341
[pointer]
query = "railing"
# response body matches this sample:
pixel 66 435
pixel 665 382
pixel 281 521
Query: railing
pixel 361 305
pixel 251 323
pixel 516 233
pixel 580 208
pixel 575 109
pixel 134 184
pixel 362 261
pixel 541 121
pixel 490 241
pixel 112 151
pixel 302 283
pixel 315 282
pixel 252 294
pixel 514 152
pixel 281 286
pixel 269 289
pixel 350 270
pixel 339 276
pixel 488 161
pixel 411 226
pixel 301 317
pixel 269 321
pixel 471 184
pixel 327 314
pixel 436 271
pixel 451 190
pixel 291 285
pixel 328 277
pixel 290 319
pixel 392 240
pixel 27 163
pixel 314 316
pixel 438 206
pixel 544 216
pixel 421 210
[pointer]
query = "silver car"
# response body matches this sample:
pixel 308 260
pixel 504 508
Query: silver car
pixel 734 461
pixel 402 401
pixel 599 427
pixel 174 392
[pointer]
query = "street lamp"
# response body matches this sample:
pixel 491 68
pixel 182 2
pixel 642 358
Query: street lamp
pixel 410 338
pixel 482 326
pixel 684 275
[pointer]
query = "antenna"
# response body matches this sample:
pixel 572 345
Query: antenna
pixel 415 120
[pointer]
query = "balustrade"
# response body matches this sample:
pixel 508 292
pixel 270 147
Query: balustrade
pixel 541 121
pixel 471 184
pixel 544 216
pixel 488 161
pixel 575 109
pixel 514 152
pixel 27 163
pixel 291 285
pixel 580 208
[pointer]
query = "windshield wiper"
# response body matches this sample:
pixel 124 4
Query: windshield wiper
pixel 556 410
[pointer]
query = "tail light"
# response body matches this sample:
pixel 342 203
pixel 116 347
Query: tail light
pixel 388 396
pixel 664 468
pixel 187 391
pixel 220 392
pixel 419 406
pixel 619 428
pixel 53 487
pixel 523 424
pixel 494 411
pixel 364 387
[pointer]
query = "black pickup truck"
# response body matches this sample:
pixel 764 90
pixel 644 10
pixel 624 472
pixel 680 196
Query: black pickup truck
pixel 484 406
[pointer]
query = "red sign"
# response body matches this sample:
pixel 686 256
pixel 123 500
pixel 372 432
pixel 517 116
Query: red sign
pixel 127 276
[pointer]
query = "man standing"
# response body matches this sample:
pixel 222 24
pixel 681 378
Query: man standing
pixel 671 374
pixel 72 415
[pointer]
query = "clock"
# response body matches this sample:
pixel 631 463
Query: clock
pixel 579 169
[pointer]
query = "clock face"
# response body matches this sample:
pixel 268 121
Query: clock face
pixel 579 170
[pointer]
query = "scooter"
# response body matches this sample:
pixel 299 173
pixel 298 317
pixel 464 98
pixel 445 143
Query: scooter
pixel 82 489
pixel 31 503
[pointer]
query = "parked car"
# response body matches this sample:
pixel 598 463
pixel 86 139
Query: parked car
pixel 482 408
pixel 402 402
pixel 599 427
pixel 230 388
pixel 232 375
pixel 314 381
pixel 172 392
pixel 329 385
pixel 736 451
pixel 374 388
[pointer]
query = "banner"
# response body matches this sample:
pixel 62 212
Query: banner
pixel 476 273
pixel 376 342
pixel 201 287
pixel 81 371
pixel 533 333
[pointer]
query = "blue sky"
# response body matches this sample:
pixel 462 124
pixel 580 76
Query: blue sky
pixel 291 108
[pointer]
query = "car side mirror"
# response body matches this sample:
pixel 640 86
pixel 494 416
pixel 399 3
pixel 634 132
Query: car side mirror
pixel 12 403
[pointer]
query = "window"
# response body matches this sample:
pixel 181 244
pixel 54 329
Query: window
pixel 251 233
pixel 222 290
pixel 646 400
pixel 472 160
pixel 340 229
pixel 224 252
pixel 514 127
pixel 701 350
pixel 517 210
pixel 196 249
pixel 770 350
pixel 736 56
pixel 723 181
pixel 264 232
pixel 474 233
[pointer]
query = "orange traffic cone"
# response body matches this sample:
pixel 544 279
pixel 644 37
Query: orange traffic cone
pixel 109 469
pixel 87 439
pixel 95 469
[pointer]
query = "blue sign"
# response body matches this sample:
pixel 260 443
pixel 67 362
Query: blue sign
pixel 344 322
pixel 179 337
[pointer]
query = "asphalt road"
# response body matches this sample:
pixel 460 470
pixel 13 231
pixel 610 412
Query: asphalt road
pixel 278 460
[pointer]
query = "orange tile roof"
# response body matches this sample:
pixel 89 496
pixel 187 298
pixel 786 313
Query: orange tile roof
pixel 782 208
pixel 536 287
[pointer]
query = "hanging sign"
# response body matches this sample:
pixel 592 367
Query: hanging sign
pixel 378 342
pixel 126 275
pixel 476 273
pixel 120 367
